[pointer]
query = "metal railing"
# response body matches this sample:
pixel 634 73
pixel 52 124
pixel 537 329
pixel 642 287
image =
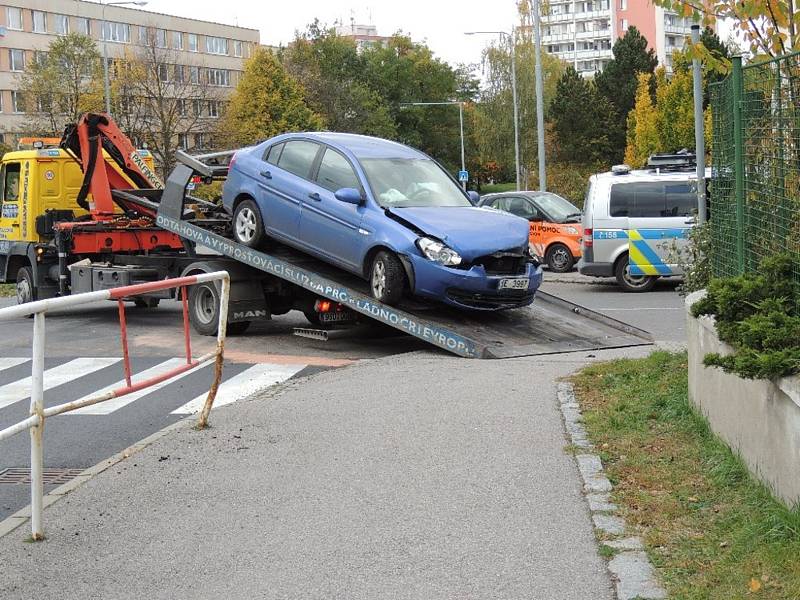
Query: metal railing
pixel 38 412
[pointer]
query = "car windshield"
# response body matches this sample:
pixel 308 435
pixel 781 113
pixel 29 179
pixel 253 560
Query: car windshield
pixel 411 182
pixel 560 209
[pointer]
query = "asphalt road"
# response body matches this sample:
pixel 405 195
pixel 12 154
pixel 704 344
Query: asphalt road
pixel 267 353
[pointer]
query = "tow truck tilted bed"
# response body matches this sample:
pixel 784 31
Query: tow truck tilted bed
pixel 551 325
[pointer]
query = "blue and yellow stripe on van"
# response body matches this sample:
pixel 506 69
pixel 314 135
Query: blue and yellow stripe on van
pixel 643 256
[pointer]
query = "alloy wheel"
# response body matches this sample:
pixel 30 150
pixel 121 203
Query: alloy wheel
pixel 378 279
pixel 245 224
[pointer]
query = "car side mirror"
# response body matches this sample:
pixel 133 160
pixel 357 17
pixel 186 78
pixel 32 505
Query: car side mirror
pixel 474 197
pixel 349 195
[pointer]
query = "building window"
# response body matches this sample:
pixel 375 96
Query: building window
pixel 216 45
pixel 39 21
pixel 213 108
pixel 116 32
pixel 219 77
pixel 237 48
pixel 1 105
pixel 177 40
pixel 623 25
pixel 161 38
pixel 197 108
pixel 163 72
pixel 82 26
pixel 16 102
pixel 179 73
pixel 17 59
pixel 192 42
pixel 194 74
pixel 199 140
pixel 144 36
pixel 62 24
pixel 40 57
pixel 14 18
pixel 623 4
pixel 181 107
pixel 183 141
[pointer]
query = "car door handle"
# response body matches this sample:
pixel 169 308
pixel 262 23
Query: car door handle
pixel 315 196
pixel 266 174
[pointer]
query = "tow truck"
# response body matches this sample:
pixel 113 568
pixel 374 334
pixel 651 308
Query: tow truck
pixel 125 226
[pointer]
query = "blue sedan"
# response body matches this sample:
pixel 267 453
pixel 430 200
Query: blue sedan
pixel 384 211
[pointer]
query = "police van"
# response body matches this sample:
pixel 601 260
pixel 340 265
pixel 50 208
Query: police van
pixel 636 222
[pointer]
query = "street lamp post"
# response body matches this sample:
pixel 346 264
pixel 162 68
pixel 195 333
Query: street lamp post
pixel 539 95
pixel 105 31
pixel 513 49
pixel 460 125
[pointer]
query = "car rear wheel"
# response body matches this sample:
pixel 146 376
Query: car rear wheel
pixel 248 226
pixel 632 283
pixel 559 258
pixel 387 278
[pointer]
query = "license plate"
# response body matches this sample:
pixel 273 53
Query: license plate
pixel 336 317
pixel 513 284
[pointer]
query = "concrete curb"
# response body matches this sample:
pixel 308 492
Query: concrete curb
pixel 631 569
pixel 23 515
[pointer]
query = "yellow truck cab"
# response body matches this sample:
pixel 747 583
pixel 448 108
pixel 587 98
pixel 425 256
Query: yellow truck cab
pixel 37 188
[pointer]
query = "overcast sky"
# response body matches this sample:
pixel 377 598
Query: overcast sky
pixel 439 23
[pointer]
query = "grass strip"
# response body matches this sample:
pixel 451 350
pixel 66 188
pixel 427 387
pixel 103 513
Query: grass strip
pixel 711 530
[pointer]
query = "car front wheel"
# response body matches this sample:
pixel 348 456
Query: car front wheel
pixel 387 278
pixel 248 226
pixel 632 283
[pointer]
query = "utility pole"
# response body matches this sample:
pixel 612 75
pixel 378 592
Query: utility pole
pixel 699 130
pixel 539 96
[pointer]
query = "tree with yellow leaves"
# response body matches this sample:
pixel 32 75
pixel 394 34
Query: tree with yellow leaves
pixel 642 133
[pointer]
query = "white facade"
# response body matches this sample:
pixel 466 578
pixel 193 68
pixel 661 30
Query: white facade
pixel 582 32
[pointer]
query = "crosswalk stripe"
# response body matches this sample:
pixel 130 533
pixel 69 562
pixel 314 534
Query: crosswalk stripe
pixel 7 363
pixel 242 385
pixel 69 371
pixel 109 406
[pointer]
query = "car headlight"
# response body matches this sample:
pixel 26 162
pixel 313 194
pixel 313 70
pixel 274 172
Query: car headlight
pixel 437 252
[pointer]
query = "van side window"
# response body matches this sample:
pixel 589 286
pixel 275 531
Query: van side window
pixel 652 199
pixel 681 198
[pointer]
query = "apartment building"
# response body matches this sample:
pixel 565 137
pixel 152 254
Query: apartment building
pixel 583 32
pixel 365 36
pixel 207 53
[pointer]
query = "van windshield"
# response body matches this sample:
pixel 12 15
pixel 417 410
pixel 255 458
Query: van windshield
pixel 411 182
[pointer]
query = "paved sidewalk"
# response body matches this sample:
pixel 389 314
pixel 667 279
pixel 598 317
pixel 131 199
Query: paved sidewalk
pixel 416 476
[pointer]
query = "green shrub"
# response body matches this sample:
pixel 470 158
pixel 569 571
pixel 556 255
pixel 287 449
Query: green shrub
pixel 757 315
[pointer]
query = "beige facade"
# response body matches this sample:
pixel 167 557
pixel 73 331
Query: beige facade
pixel 27 26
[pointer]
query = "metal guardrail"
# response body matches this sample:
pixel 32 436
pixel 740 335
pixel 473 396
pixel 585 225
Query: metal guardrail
pixel 38 413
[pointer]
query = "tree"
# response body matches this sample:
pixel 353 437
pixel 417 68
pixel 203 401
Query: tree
pixel 60 84
pixel 330 68
pixel 643 122
pixel 157 100
pixel 267 101
pixel 619 79
pixel 581 118
pixel 770 27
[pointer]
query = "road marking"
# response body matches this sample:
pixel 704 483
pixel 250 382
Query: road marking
pixel 242 385
pixel 109 406
pixel 7 363
pixel 636 309
pixel 69 371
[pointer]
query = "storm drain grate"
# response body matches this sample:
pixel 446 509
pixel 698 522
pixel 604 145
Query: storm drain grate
pixel 50 476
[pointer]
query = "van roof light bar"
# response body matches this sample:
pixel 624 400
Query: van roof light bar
pixel 620 169
pixel 677 161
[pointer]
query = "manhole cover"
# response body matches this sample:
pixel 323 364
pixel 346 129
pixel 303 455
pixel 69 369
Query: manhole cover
pixel 50 476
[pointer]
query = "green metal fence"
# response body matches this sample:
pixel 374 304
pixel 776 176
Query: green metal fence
pixel 755 159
